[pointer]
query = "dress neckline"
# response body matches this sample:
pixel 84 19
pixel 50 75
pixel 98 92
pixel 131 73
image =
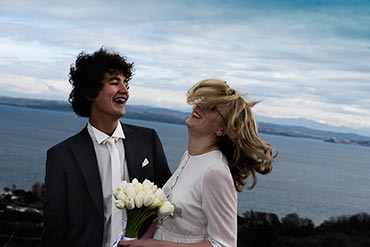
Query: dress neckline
pixel 201 155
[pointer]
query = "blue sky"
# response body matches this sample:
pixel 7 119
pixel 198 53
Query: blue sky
pixel 303 59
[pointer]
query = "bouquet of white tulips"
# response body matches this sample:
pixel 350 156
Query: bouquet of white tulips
pixel 142 200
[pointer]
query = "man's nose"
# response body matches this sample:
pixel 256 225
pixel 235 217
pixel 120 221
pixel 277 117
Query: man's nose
pixel 124 87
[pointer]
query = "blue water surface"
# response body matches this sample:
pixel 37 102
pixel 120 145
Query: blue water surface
pixel 312 178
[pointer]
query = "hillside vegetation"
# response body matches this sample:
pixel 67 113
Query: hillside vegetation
pixel 21 222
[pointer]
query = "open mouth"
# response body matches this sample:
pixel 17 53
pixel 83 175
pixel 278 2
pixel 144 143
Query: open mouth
pixel 119 100
pixel 196 114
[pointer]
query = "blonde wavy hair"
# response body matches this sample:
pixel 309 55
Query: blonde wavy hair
pixel 246 152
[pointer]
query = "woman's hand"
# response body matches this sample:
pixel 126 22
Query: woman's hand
pixel 159 243
pixel 139 243
pixel 150 232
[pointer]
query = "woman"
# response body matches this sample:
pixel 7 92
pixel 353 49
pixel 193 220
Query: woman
pixel 224 149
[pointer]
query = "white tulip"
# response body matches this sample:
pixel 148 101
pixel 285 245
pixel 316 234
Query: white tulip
pixel 134 182
pixel 148 200
pixel 120 204
pixel 166 208
pixel 147 194
pixel 118 189
pixel 160 195
pixel 154 188
pixel 138 188
pixel 147 185
pixel 130 203
pixel 156 203
pixel 130 191
pixel 115 193
pixel 122 186
pixel 139 199
pixel 121 196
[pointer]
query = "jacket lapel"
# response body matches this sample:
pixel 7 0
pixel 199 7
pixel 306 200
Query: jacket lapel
pixel 132 146
pixel 83 150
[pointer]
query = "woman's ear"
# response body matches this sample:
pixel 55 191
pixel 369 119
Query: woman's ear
pixel 221 132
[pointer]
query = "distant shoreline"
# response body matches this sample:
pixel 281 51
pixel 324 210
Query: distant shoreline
pixel 178 117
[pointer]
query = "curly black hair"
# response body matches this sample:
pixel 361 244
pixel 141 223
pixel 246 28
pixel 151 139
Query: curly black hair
pixel 87 73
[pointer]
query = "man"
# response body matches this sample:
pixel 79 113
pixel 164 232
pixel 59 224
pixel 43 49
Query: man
pixel 82 171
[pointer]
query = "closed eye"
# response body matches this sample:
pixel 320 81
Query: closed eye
pixel 116 81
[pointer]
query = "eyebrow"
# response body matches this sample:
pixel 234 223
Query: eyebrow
pixel 115 77
pixel 112 78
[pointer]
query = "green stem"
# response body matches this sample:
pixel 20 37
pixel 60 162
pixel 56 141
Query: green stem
pixel 135 219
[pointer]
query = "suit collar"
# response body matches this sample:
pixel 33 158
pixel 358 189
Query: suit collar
pixel 132 152
pixel 83 150
pixel 99 136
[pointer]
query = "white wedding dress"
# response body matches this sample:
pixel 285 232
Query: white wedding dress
pixel 203 193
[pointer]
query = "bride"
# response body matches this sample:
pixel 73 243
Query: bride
pixel 224 149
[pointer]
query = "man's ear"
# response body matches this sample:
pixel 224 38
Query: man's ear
pixel 221 132
pixel 89 98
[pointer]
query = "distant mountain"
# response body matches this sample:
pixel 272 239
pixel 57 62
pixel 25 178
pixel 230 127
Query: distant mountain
pixel 303 132
pixel 133 111
pixel 156 114
pixel 311 124
pixel 178 117
pixel 36 103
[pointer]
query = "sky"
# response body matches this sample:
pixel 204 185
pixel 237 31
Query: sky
pixel 302 59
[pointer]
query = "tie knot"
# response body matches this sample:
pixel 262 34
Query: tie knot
pixel 111 140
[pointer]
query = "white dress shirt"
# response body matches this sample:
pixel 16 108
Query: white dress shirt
pixel 103 158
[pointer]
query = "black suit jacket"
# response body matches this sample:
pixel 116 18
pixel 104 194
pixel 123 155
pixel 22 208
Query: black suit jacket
pixel 73 206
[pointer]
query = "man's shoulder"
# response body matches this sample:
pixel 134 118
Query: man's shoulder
pixel 130 127
pixel 71 140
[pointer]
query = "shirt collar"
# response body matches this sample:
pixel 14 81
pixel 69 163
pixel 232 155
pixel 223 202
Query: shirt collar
pixel 100 136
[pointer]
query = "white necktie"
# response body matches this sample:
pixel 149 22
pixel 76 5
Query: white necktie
pixel 116 171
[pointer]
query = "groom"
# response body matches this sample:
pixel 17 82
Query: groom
pixel 79 171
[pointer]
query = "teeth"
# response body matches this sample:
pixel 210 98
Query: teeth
pixel 196 115
pixel 119 100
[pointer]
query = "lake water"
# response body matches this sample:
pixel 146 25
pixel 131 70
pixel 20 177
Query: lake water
pixel 312 178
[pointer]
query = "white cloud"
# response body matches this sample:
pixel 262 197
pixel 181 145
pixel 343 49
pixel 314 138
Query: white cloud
pixel 303 60
pixel 141 95
pixel 32 51
pixel 23 85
